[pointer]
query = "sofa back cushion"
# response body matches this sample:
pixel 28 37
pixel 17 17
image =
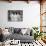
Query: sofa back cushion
pixel 11 30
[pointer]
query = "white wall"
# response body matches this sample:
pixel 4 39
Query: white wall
pixel 31 14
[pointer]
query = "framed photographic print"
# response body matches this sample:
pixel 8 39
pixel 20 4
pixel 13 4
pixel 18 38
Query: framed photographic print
pixel 15 15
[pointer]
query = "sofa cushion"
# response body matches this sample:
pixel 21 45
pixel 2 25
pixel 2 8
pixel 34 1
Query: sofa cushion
pixel 11 30
pixel 20 37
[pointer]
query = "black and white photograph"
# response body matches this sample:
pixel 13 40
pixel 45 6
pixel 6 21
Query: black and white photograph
pixel 15 15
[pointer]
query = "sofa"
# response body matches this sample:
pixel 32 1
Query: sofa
pixel 22 34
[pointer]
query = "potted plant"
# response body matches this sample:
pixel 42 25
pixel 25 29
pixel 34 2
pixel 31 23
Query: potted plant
pixel 37 33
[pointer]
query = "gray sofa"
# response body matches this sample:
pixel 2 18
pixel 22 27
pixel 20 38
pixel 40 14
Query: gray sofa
pixel 17 35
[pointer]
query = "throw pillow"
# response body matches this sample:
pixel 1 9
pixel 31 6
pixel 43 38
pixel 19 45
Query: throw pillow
pixel 17 30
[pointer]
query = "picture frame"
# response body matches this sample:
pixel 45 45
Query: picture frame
pixel 15 15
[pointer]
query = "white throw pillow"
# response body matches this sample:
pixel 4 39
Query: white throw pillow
pixel 5 32
pixel 23 31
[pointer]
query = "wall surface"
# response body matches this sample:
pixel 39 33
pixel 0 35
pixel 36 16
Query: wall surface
pixel 31 14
